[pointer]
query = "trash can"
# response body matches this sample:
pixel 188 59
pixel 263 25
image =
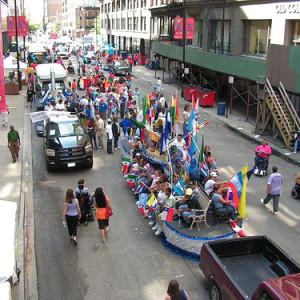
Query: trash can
pixel 206 97
pixel 124 54
pixel 221 108
pixel 189 90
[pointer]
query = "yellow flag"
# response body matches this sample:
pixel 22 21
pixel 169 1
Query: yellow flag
pixel 151 199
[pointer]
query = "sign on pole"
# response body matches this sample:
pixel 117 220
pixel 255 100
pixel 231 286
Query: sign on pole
pixel 23 26
pixel 189 28
pixel 2 85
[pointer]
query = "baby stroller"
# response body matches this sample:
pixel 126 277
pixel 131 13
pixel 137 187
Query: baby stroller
pixel 86 206
pixel 295 192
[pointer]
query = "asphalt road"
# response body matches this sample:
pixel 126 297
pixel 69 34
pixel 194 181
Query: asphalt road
pixel 133 264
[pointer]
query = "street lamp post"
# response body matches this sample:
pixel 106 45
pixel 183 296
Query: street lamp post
pixel 17 46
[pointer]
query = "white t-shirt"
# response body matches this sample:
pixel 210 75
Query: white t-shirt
pixel 108 130
pixel 185 114
pixel 84 101
pixel 209 186
pixel 60 106
pixel 140 117
pixel 48 108
pixel 162 102
pixel 180 145
pixel 161 197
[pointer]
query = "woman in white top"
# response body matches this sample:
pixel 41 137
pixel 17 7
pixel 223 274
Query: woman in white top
pixel 186 116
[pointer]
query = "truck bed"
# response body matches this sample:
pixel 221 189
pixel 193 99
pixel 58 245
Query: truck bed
pixel 249 271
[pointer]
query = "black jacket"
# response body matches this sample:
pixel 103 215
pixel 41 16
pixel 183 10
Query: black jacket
pixel 115 130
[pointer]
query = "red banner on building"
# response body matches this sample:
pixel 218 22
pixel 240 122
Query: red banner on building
pixel 23 28
pixel 189 28
pixel 178 28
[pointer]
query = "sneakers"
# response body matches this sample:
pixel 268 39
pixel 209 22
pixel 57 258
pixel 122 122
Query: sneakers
pixel 275 212
pixel 159 231
pixel 155 227
pixel 261 173
pixel 116 148
pixel 262 202
pixel 295 151
pixel 255 171
pixel 151 222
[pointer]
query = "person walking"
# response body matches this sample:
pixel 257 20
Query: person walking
pixel 13 143
pixel 99 131
pixel 273 190
pixel 174 293
pixel 102 203
pixel 116 132
pixel 92 127
pixel 109 136
pixel 4 112
pixel 29 96
pixel 158 85
pixel 72 214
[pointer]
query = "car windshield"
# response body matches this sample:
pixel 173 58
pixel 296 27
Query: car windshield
pixel 60 85
pixel 65 129
pixel 121 63
pixel 62 49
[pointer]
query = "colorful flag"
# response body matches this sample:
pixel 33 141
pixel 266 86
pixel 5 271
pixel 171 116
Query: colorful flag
pixel 178 188
pixel 125 165
pixel 131 179
pixel 151 200
pixel 167 214
pixel 140 188
pixel 237 190
pixel 141 210
pixel 144 109
pixel 174 113
pixel 143 197
pixel 164 135
pixel 204 169
pixel 193 134
pixel 201 154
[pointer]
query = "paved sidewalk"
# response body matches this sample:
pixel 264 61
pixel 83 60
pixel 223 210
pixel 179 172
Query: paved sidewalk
pixel 17 187
pixel 236 121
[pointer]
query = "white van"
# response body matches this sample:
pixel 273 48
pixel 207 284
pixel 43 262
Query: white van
pixel 43 81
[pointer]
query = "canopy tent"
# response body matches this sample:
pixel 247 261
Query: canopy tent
pixel 10 64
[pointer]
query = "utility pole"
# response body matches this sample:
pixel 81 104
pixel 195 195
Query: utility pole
pixel 17 46
pixel 183 45
pixel 223 28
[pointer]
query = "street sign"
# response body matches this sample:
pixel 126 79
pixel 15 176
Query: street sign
pixel 87 39
pixel 23 26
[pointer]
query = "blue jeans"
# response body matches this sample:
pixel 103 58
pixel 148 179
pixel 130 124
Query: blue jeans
pixel 263 165
pixel 228 209
pixel 296 145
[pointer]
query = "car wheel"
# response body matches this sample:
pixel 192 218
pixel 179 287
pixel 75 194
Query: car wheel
pixel 90 164
pixel 215 293
pixel 49 167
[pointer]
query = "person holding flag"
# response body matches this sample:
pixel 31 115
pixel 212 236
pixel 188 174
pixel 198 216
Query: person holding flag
pixel 170 203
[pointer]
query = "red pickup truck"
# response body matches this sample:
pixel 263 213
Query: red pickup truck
pixel 249 268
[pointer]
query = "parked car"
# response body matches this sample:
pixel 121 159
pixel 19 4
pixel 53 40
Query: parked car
pixel 119 67
pixel 66 143
pixel 249 268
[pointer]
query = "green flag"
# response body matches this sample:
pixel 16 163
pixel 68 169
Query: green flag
pixel 201 154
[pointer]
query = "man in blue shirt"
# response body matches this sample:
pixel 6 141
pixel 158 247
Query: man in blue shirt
pixel 122 101
pixel 126 125
pixel 192 171
pixel 102 109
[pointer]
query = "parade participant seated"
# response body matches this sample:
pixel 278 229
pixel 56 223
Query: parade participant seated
pixel 179 142
pixel 169 202
pixel 178 170
pixel 175 154
pixel 211 164
pixel 189 202
pixel 221 205
pixel 263 152
pixel 126 125
pixel 48 107
pixel 212 182
pixel 192 171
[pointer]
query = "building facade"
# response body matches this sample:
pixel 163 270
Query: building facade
pixel 53 11
pixel 4 14
pixel 78 17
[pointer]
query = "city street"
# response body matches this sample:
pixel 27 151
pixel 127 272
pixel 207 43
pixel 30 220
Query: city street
pixel 133 264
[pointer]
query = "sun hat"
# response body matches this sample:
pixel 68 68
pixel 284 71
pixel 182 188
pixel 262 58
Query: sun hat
pixel 213 174
pixel 189 192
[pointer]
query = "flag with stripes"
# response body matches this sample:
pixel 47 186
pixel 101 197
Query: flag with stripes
pixel 178 188
pixel 204 169
pixel 125 165
pixel 131 180
pixel 167 214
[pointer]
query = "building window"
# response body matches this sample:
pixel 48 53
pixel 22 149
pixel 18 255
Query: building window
pixel 295 33
pixel 135 3
pixel 135 23
pixel 129 4
pixel 123 24
pixel 197 41
pixel 256 37
pixel 108 7
pixel 101 23
pixel 143 24
pixel 118 24
pixel 129 24
pixel 215 35
pixel 105 8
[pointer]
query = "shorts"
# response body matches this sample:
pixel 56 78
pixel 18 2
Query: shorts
pixel 102 223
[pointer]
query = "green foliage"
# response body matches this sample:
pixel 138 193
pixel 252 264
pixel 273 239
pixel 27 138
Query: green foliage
pixel 34 27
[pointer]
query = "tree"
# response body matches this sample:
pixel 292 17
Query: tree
pixel 34 27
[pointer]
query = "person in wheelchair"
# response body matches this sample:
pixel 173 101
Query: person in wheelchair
pixel 83 195
pixel 295 193
pixel 263 152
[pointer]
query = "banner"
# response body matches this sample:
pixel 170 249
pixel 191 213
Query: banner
pixel 189 28
pixel 178 28
pixel 2 85
pixel 23 26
